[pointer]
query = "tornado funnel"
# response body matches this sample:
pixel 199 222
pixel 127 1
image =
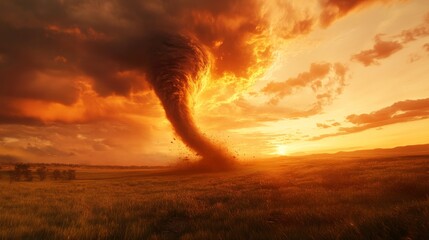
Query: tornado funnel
pixel 175 66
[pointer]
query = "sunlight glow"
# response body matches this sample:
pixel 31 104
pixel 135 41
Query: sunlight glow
pixel 281 150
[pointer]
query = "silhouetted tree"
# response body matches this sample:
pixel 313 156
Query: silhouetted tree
pixel 68 174
pixel 56 174
pixel 42 172
pixel 13 176
pixel 28 176
pixel 71 174
pixel 21 170
pixel 16 173
pixel 64 174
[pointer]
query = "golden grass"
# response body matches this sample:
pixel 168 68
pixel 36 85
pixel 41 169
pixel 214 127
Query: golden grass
pixel 290 199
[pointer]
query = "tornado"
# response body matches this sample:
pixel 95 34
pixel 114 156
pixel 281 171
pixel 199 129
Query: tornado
pixel 175 68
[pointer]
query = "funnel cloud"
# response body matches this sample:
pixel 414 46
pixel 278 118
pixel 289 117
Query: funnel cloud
pixel 175 67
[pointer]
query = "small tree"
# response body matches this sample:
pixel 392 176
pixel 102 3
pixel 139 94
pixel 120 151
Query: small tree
pixel 17 172
pixel 56 174
pixel 28 176
pixel 21 170
pixel 71 174
pixel 64 174
pixel 42 172
pixel 13 176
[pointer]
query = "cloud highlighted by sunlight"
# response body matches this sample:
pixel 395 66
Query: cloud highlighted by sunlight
pixel 403 111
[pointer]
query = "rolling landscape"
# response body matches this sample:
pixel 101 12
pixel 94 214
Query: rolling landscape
pixel 336 196
pixel 214 120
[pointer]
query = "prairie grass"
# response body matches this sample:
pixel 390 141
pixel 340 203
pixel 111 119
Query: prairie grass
pixel 295 198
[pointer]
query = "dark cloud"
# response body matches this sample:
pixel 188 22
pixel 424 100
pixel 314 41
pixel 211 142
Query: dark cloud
pixel 380 50
pixel 171 44
pixel 28 69
pixel 47 47
pixel 102 39
pixel 59 58
pixel 403 111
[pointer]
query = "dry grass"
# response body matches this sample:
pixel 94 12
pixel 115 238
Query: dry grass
pixel 293 199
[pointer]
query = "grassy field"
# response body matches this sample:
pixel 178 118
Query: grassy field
pixel 292 198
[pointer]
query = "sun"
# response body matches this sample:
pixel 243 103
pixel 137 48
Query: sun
pixel 281 150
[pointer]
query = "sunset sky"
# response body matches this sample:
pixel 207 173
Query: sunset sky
pixel 285 78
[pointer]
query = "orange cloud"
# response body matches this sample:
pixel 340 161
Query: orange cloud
pixel 86 62
pixel 380 50
pixel 88 107
pixel 317 78
pixel 335 9
pixel 323 125
pixel 415 33
pixel 244 113
pixel 324 81
pixel 107 43
pixel 104 142
pixel 336 124
pixel 403 111
pixel 398 112
pixel 384 49
pixel 238 34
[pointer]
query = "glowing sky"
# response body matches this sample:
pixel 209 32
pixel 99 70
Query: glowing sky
pixel 286 77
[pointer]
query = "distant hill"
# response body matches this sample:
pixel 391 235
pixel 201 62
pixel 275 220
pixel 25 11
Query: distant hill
pixel 9 159
pixel 411 150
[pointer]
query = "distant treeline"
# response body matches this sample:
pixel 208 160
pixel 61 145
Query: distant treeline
pixel 23 172
pixel 73 165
